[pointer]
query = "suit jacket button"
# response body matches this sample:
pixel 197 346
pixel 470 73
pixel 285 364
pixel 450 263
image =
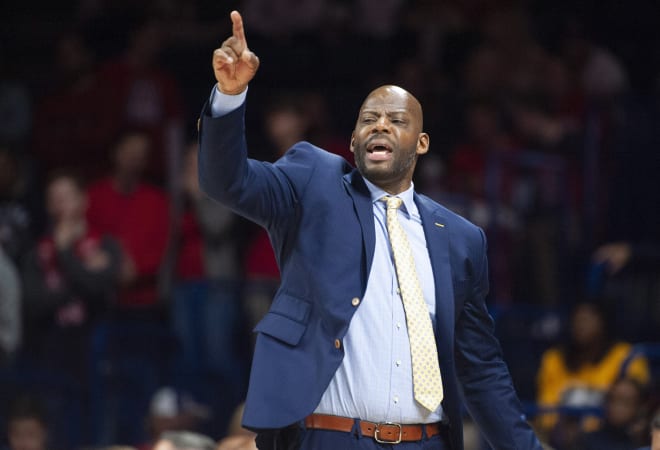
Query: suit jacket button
pixel 355 301
pixel 337 343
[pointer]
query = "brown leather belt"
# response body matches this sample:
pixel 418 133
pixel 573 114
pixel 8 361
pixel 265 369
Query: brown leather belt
pixel 384 432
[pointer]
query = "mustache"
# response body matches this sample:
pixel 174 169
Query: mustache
pixel 380 136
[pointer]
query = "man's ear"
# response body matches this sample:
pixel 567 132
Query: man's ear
pixel 352 147
pixel 423 143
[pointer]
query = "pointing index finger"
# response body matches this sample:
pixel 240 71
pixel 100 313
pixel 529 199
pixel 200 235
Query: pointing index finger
pixel 239 32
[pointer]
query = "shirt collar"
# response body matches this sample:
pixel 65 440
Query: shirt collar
pixel 406 196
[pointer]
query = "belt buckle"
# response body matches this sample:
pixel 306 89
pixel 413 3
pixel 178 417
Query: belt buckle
pixel 385 441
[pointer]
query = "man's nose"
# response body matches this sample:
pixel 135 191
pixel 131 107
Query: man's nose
pixel 382 125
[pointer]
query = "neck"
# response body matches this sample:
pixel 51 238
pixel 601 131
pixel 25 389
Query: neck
pixel 394 188
pixel 78 222
pixel 590 352
pixel 125 183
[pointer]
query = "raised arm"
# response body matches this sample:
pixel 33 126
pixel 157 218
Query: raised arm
pixel 264 193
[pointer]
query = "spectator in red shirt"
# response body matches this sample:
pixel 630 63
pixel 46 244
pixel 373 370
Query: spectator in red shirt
pixel 137 214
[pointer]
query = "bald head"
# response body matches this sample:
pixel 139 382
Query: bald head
pixel 396 95
pixel 388 138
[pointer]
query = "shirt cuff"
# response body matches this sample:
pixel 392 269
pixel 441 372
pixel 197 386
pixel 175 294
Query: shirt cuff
pixel 222 104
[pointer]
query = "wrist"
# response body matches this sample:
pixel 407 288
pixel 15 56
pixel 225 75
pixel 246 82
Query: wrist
pixel 222 103
pixel 237 91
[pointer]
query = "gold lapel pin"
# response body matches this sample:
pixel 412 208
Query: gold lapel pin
pixel 441 225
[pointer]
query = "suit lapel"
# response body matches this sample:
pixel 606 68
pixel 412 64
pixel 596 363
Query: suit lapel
pixel 437 241
pixel 363 206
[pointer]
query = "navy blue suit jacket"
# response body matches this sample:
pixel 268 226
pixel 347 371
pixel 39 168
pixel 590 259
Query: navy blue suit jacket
pixel 318 212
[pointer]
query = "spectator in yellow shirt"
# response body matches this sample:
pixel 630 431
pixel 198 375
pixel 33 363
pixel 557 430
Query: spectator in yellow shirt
pixel 579 373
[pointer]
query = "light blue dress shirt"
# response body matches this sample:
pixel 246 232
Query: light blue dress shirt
pixel 222 104
pixel 374 380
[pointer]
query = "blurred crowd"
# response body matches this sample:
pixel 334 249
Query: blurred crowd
pixel 127 297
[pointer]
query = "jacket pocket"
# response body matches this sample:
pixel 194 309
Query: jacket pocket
pixel 287 319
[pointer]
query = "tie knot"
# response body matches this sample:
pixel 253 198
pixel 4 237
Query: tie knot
pixel 393 202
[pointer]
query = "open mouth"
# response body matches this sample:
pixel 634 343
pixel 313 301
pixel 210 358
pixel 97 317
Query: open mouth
pixel 379 150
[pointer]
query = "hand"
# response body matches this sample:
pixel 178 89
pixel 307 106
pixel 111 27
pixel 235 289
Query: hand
pixel 96 260
pixel 234 64
pixel 67 232
pixel 190 177
pixel 239 442
pixel 127 270
pixel 615 255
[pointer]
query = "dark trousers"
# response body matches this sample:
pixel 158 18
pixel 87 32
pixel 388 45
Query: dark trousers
pixel 297 438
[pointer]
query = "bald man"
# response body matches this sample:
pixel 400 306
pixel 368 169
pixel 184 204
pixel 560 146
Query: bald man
pixel 379 333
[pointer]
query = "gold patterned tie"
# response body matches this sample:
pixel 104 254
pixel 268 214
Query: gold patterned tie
pixel 427 384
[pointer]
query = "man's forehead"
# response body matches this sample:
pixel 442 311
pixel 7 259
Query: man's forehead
pixel 389 103
pixel 390 107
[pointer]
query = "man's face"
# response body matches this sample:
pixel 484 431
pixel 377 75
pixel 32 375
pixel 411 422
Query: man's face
pixel 623 404
pixel 27 434
pixel 388 137
pixel 587 325
pixel 132 154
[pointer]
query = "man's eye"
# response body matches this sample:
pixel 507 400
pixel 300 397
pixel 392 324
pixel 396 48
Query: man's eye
pixel 399 121
pixel 368 120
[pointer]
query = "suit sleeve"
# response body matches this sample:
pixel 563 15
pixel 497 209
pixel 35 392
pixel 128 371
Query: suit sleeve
pixel 483 375
pixel 262 192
